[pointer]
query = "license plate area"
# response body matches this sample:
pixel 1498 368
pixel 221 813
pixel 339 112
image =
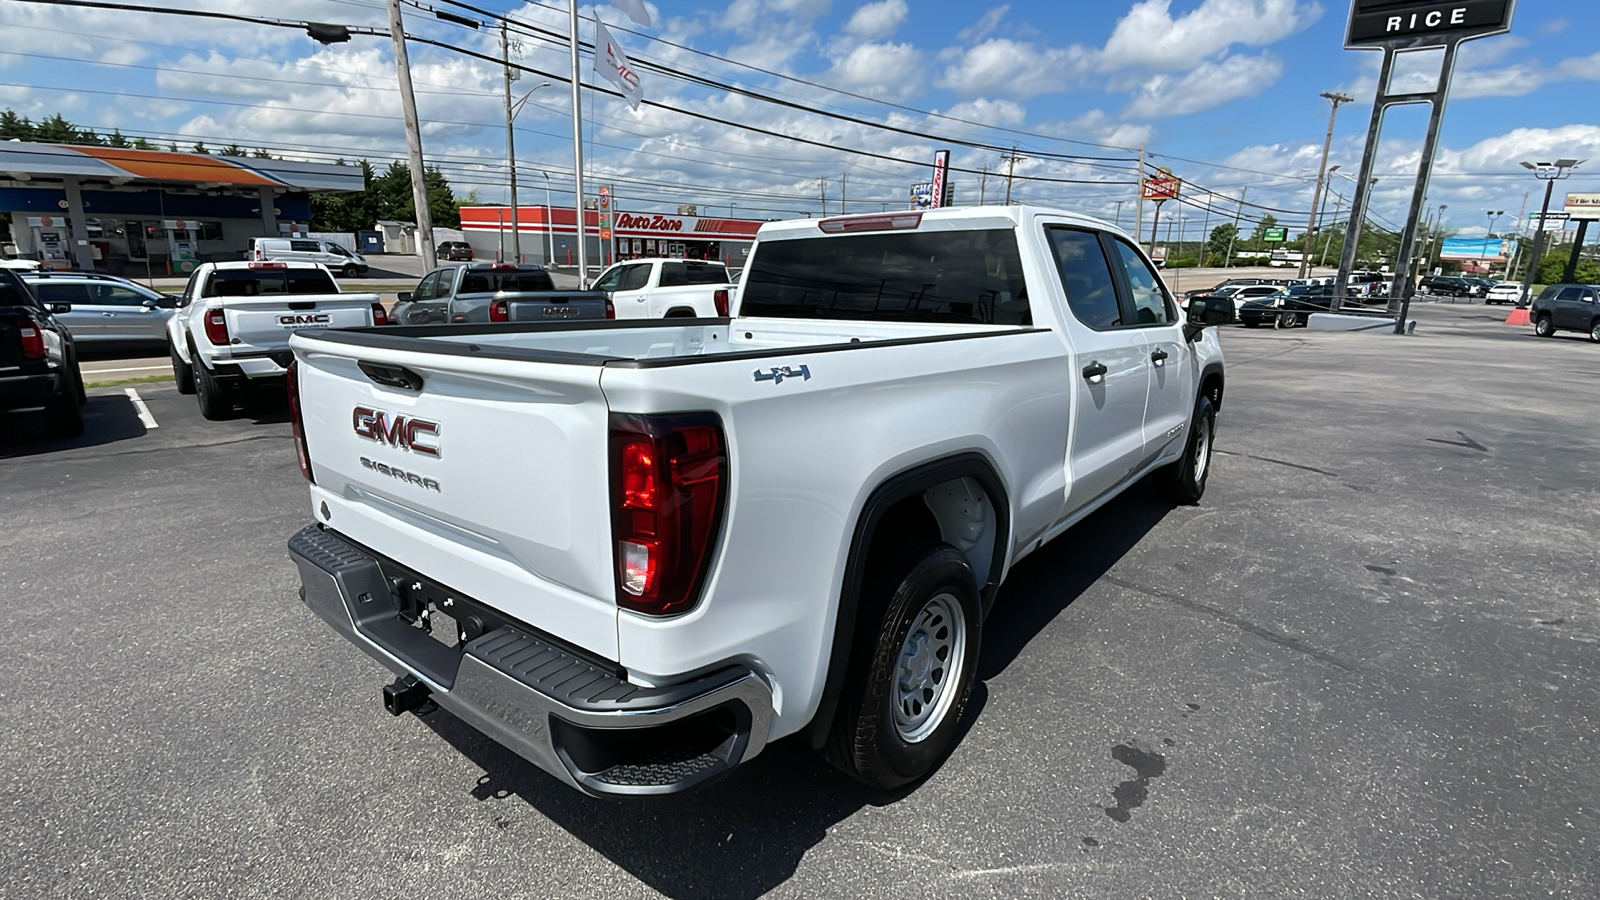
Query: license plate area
pixel 445 616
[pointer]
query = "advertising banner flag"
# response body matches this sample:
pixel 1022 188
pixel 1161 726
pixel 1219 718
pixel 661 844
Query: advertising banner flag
pixel 635 10
pixel 612 64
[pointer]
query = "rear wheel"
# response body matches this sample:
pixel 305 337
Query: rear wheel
pixel 1286 320
pixel 903 704
pixel 215 397
pixel 181 373
pixel 349 271
pixel 63 415
pixel 1594 331
pixel 1545 326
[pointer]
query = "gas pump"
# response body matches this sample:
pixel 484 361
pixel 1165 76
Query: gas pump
pixel 183 252
pixel 50 240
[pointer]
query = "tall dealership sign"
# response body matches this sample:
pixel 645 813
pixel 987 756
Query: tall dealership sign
pixel 1408 26
pixel 941 179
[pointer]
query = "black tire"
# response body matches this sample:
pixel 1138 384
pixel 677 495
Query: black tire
pixel 1184 482
pixel 870 742
pixel 1594 331
pixel 215 397
pixel 63 415
pixel 1286 320
pixel 181 372
pixel 349 271
pixel 1544 326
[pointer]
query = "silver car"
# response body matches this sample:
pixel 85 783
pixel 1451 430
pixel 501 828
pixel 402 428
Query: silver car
pixel 104 309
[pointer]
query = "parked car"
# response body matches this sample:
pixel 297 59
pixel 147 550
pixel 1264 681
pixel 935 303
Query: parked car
pixel 495 292
pixel 106 309
pixel 667 288
pixel 454 251
pixel 38 358
pixel 635 552
pixel 1446 286
pixel 1567 307
pixel 234 320
pixel 327 253
pixel 1229 283
pixel 1504 292
pixel 1294 305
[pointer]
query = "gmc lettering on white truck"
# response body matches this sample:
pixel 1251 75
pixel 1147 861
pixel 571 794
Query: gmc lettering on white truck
pixel 579 559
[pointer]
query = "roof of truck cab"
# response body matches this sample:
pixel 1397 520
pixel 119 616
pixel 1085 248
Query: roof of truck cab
pixel 272 264
pixel 947 219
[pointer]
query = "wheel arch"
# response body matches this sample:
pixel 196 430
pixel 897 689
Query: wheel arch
pixel 898 501
pixel 1212 383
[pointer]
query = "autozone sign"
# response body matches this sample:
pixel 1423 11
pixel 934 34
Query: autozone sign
pixel 648 223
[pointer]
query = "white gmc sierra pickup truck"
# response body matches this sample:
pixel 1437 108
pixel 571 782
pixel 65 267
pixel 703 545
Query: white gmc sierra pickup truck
pixel 666 288
pixel 635 552
pixel 234 319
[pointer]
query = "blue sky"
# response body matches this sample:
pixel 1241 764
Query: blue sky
pixel 1223 91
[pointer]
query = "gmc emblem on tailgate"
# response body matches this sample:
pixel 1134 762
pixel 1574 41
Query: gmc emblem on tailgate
pixel 416 435
pixel 299 321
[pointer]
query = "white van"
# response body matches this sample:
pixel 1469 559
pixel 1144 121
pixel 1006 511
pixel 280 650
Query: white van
pixel 335 257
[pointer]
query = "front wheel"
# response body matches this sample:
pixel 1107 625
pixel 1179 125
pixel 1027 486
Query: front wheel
pixel 1184 481
pixel 902 705
pixel 1594 331
pixel 1545 327
pixel 181 372
pixel 349 271
pixel 1286 320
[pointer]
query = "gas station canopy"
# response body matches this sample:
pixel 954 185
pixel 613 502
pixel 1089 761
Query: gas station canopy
pixel 21 161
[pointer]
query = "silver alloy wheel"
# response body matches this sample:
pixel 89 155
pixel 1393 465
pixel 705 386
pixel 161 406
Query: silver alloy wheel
pixel 928 673
pixel 1202 449
pixel 1594 332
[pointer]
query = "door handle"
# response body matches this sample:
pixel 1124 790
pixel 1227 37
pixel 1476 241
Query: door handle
pixel 108 315
pixel 1094 372
pixel 1158 357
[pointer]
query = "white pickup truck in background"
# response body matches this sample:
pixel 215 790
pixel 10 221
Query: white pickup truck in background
pixel 636 552
pixel 234 320
pixel 667 288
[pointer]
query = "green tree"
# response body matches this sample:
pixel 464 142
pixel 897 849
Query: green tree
pixel 259 153
pixel 117 140
pixel 57 130
pixel 1258 236
pixel 1222 237
pixel 232 150
pixel 200 148
pixel 13 126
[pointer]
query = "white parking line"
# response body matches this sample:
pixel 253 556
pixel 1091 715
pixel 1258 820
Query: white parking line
pixel 165 368
pixel 144 411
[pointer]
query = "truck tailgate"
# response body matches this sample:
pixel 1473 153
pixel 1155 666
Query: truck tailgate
pixel 266 321
pixel 490 479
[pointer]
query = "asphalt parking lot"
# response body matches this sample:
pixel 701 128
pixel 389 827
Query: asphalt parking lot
pixel 1367 665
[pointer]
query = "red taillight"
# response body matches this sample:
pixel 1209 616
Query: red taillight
pixel 216 327
pixel 379 317
pixel 32 340
pixel 499 312
pixel 611 308
pixel 853 224
pixel 267 265
pixel 720 298
pixel 297 422
pixel 668 483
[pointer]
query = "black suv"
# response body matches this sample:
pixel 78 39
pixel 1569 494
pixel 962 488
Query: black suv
pixel 1447 286
pixel 1567 307
pixel 38 360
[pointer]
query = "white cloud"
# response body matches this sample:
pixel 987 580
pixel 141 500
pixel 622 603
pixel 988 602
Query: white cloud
pixel 1149 37
pixel 1206 86
pixel 877 20
pixel 1004 66
pixel 985 25
pixel 1006 113
pixel 889 71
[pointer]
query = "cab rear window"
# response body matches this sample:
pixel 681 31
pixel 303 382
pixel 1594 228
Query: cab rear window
pixel 256 282
pixel 946 276
pixel 510 282
pixel 680 274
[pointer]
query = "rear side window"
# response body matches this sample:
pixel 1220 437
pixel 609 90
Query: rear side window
pixel 255 282
pixel 1085 277
pixel 490 282
pixel 944 276
pixel 672 275
pixel 1571 293
pixel 634 278
pixel 62 293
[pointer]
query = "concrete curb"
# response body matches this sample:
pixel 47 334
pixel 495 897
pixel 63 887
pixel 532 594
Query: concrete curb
pixel 1341 322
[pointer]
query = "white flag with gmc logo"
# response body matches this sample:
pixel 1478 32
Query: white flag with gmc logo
pixel 612 64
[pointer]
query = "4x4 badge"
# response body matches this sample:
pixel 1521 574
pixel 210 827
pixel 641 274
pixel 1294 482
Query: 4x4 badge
pixel 776 375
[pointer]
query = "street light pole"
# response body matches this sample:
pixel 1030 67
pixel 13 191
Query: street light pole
pixel 511 142
pixel 1549 173
pixel 1322 172
pixel 549 224
pixel 1431 248
pixel 1493 215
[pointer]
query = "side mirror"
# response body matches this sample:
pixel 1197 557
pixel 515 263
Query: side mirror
pixel 1208 311
pixel 403 297
pixel 61 307
pixel 149 303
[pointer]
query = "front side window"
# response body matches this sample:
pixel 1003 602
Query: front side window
pixel 611 279
pixel 1086 277
pixel 337 250
pixel 117 295
pixel 1150 304
pixel 428 288
pixel 934 276
pixel 304 246
pixel 635 278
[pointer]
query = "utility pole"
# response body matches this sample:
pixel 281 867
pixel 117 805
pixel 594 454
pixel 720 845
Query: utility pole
pixel 1138 198
pixel 1205 239
pixel 511 147
pixel 577 147
pixel 822 185
pixel 1338 204
pixel 1316 192
pixel 1228 263
pixel 408 105
pixel 842 185
pixel 1011 164
pixel 983 184
pixel 1118 220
